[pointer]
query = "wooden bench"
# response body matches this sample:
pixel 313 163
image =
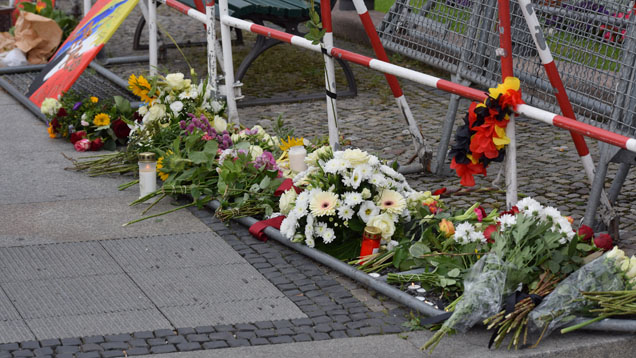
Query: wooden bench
pixel 287 14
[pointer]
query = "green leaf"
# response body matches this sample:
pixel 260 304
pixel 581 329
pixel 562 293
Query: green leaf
pixel 554 267
pixel 198 157
pixel 211 148
pixel 418 249
pixel 265 182
pixel 454 272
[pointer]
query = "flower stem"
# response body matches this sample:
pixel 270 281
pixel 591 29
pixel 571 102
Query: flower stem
pixel 583 324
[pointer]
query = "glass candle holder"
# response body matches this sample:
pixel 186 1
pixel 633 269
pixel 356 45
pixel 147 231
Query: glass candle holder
pixel 371 238
pixel 147 173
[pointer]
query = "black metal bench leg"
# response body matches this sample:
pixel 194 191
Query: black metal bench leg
pixel 261 45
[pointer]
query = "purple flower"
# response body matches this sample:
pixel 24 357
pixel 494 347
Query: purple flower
pixel 77 106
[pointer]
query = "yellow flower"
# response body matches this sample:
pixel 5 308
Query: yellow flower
pixel 291 142
pixel 140 87
pixel 446 227
pixel 94 99
pixel 163 176
pixel 501 139
pixel 101 119
pixel 510 83
pixel 39 7
pixel 51 131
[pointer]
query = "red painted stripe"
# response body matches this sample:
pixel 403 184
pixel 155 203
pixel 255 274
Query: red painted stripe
pixel 367 22
pixel 505 41
pixel 325 12
pixel 590 131
pixel 178 6
pixel 566 107
pixel 268 32
pixel 351 56
pixel 464 91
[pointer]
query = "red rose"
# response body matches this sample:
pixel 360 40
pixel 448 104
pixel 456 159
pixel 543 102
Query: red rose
pixel 488 232
pixel 75 136
pixel 97 144
pixel 55 124
pixel 586 233
pixel 120 128
pixel 439 191
pixel 61 112
pixel 603 241
pixel 513 211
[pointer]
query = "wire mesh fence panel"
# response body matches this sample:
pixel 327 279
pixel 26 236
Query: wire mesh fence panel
pixel 592 43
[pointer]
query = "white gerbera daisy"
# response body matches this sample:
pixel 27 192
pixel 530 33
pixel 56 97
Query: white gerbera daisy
pixel 367 211
pixel 323 203
pixel 345 213
pixel 391 201
pixel 352 198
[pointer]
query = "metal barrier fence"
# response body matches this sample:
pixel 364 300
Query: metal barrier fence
pixel 592 43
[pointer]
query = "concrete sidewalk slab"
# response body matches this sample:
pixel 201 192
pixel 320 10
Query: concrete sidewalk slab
pixel 88 219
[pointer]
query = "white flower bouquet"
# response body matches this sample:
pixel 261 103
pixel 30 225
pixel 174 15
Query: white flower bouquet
pixel 343 192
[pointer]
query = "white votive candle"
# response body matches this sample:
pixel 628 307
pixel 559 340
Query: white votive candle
pixel 421 290
pixel 374 274
pixel 414 287
pixel 147 174
pixel 297 156
pixel 420 298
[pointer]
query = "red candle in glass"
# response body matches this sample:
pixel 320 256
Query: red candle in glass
pixel 370 241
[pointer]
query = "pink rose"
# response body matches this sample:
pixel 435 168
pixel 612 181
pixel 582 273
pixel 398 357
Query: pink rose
pixel 82 145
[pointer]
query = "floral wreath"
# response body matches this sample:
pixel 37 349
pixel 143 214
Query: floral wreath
pixel 482 138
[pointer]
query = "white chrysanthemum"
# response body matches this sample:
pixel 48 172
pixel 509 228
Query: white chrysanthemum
pixel 288 227
pixel 367 211
pixel 390 172
pixel 378 180
pixel 334 166
pixel 385 223
pixel 302 199
pixel 549 213
pixel 286 203
pixel 299 211
pixel 529 206
pixel 477 236
pixel 323 203
pixel 328 236
pixel 373 160
pixel 391 201
pixel 176 107
pixel 365 171
pixel 352 198
pixel 310 242
pixel 463 232
pixel 506 221
pixel 320 229
pixel 345 213
pixel 309 227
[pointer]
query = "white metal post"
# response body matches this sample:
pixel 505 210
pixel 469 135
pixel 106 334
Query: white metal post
pixel 152 36
pixel 226 42
pixel 330 96
pixel 211 39
pixel 87 6
pixel 511 164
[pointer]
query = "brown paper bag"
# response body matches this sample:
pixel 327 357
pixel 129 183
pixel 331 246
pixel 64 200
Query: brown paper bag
pixel 37 36
pixel 7 42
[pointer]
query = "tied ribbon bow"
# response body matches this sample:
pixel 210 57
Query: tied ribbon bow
pixel 258 229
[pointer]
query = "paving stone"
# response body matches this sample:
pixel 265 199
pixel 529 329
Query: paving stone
pixel 165 348
pixel 5 354
pixel 157 341
pixel 113 353
pixel 188 346
pixel 65 355
pixel 264 324
pixel 114 345
pixel 245 334
pixel 30 345
pixel 238 342
pixel 365 331
pixel 176 339
pixel 245 327
pixel 321 319
pixel 338 334
pixel 117 337
pixel 220 336
pixel 93 339
pixel 90 347
pixel 319 336
pixel 281 339
pixel 215 345
pixel 185 331
pixel 164 333
pixel 67 349
pixel 43 351
pixel 302 321
pixel 88 355
pixel 144 335
pixel 204 329
pixel 23 353
pixel 198 338
pixel 137 351
pixel 9 347
pixel 265 333
pixel 337 326
pixel 224 328
pixel 303 337
pixel 325 328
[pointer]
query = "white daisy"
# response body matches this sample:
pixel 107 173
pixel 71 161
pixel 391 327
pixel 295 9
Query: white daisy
pixel 365 171
pixel 328 236
pixel 378 180
pixel 462 232
pixel 320 229
pixel 345 213
pixel 352 198
pixel 367 211
pixel 309 227
pixel 549 213
pixel 310 242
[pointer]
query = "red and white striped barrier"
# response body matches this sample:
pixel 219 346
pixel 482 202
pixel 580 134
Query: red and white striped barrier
pixel 432 81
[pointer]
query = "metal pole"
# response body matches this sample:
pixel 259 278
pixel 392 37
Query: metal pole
pixel 330 75
pixel 152 36
pixel 87 6
pixel 505 43
pixel 226 42
pixel 211 39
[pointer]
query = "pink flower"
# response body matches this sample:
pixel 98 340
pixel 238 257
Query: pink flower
pixel 481 213
pixel 82 145
pixel 206 137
